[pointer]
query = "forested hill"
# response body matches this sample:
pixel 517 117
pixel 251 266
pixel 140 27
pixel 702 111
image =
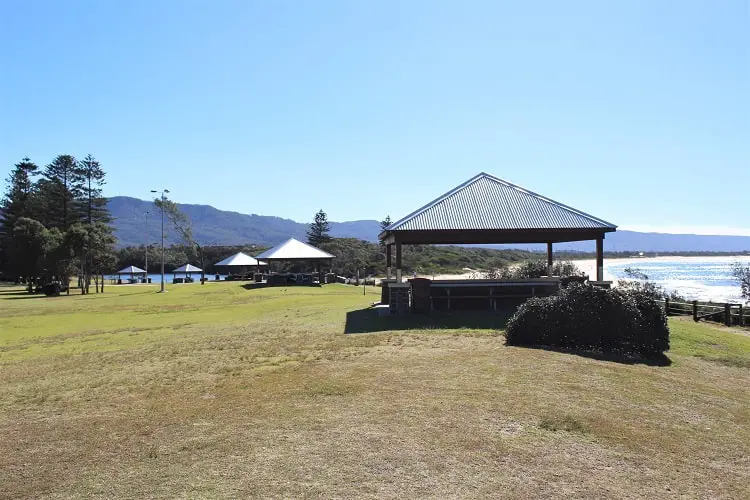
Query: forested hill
pixel 218 227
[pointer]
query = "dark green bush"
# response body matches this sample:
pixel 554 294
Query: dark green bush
pixel 592 318
pixel 653 334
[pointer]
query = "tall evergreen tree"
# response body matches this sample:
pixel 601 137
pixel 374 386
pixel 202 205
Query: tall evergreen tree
pixel 319 229
pixel 63 187
pixel 16 203
pixel 385 222
pixel 93 204
pixel 90 235
pixel 17 200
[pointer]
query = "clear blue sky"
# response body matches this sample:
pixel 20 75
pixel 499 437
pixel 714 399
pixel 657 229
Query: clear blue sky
pixel 634 111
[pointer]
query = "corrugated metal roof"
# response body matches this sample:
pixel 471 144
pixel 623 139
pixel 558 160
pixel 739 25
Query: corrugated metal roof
pixel 486 202
pixel 131 270
pixel 187 268
pixel 240 259
pixel 293 249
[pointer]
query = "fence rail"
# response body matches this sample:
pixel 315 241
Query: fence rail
pixel 728 314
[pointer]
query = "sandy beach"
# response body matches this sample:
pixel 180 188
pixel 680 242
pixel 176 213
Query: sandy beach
pixel 588 266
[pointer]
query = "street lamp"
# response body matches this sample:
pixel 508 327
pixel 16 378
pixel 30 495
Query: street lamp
pixel 147 213
pixel 163 197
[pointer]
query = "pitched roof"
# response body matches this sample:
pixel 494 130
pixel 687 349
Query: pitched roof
pixel 240 259
pixel 187 268
pixel 131 270
pixel 293 249
pixel 485 202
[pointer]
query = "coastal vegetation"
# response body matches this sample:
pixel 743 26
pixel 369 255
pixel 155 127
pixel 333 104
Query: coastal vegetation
pixel 742 275
pixel 589 318
pixel 352 255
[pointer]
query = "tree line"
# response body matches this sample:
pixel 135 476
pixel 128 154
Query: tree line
pixel 352 255
pixel 54 224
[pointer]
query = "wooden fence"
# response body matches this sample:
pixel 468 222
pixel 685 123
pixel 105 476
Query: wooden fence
pixel 728 314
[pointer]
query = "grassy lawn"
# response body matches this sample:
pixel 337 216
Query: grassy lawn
pixel 220 391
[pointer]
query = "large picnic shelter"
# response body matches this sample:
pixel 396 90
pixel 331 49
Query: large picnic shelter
pixel 295 251
pixel 489 210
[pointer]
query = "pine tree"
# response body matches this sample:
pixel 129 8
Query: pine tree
pixel 94 205
pixel 90 235
pixel 319 229
pixel 62 187
pixel 16 203
pixel 385 222
pixel 17 200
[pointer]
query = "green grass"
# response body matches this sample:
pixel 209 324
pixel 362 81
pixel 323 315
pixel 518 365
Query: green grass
pixel 714 343
pixel 218 391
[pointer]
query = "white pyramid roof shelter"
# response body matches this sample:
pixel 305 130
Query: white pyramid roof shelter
pixel 187 268
pixel 131 270
pixel 240 259
pixel 293 249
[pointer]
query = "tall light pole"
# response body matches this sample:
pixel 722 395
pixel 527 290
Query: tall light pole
pixel 147 238
pixel 163 196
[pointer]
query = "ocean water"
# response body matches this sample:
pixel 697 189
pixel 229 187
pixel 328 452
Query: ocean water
pixel 697 278
pixel 156 278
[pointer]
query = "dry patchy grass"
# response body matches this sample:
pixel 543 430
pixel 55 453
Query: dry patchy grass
pixel 217 391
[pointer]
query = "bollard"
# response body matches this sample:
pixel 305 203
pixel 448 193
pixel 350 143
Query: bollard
pixel 695 310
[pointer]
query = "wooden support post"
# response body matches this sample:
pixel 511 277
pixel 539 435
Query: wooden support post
pixel 728 314
pixel 600 259
pixel 398 262
pixel 741 320
pixel 549 259
pixel 388 261
pixel 695 310
pixel 666 306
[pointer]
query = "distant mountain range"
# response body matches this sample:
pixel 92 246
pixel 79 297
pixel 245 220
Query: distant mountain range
pixel 218 227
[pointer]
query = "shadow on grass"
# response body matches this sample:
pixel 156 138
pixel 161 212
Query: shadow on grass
pixel 613 357
pixel 252 285
pixel 255 286
pixel 22 295
pixel 369 321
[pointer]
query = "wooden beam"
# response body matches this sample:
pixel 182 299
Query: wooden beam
pixel 388 261
pixel 398 262
pixel 486 236
pixel 549 258
pixel 600 259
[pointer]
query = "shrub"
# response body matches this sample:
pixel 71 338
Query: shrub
pixel 742 276
pixel 652 336
pixel 592 318
pixel 532 269
pixel 645 287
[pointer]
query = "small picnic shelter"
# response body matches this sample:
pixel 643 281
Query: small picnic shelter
pixel 187 270
pixel 240 265
pixel 241 260
pixel 132 272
